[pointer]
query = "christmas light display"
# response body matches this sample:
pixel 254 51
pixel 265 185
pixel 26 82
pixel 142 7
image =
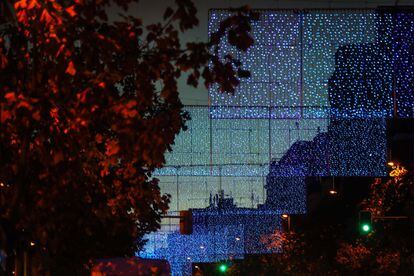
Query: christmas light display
pixel 245 148
pixel 286 194
pixel 296 55
pixel 234 147
pixel 217 235
pixel 357 147
pixel 194 191
pixel 400 24
pixel 323 84
pixel 324 32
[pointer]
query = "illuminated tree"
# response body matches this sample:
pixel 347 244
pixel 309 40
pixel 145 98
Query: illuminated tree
pixel 330 244
pixel 88 107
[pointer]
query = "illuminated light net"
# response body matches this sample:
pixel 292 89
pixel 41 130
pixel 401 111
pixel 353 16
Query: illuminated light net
pixel 294 57
pixel 220 148
pixel 323 84
pixel 400 25
pixel 217 236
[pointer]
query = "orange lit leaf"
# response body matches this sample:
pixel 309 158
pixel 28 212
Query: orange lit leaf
pixel 46 17
pixel 98 138
pixel 20 4
pixel 71 11
pixel 71 70
pixel 4 115
pixel 112 148
pixel 10 97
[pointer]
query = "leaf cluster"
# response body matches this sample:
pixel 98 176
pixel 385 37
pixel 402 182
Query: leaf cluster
pixel 88 108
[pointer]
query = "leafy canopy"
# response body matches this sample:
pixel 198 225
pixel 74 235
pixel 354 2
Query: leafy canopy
pixel 88 107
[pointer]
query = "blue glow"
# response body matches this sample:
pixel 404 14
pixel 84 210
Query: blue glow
pixel 217 236
pixel 296 55
pixel 323 84
pixel 245 147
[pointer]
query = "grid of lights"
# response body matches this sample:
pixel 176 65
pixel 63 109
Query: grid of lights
pixel 298 56
pixel 234 147
pixel 286 194
pixel 322 85
pixel 195 191
pixel 216 236
pixel 308 147
pixel 402 30
pixel 350 147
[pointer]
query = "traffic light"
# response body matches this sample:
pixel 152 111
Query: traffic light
pixel 223 268
pixel 186 222
pixel 365 222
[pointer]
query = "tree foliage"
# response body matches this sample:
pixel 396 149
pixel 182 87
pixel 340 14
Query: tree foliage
pixel 88 107
pixel 331 245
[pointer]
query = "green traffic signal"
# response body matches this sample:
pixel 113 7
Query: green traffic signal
pixel 365 222
pixel 223 268
pixel 366 228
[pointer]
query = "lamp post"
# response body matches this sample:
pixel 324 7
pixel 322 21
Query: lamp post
pixel 287 218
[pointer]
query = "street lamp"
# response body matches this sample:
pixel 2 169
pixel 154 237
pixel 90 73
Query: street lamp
pixel 333 190
pixel 285 218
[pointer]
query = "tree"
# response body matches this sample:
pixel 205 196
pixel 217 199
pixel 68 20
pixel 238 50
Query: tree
pixel 88 107
pixel 331 244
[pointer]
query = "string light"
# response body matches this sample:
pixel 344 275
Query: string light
pixel 297 53
pixel 398 37
pixel 323 83
pixel 226 234
pixel 234 147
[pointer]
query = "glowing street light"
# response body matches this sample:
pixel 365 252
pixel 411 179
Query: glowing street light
pixel 286 220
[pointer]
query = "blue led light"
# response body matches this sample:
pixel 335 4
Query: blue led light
pixel 245 147
pixel 297 53
pixel 216 236
pixel 323 84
